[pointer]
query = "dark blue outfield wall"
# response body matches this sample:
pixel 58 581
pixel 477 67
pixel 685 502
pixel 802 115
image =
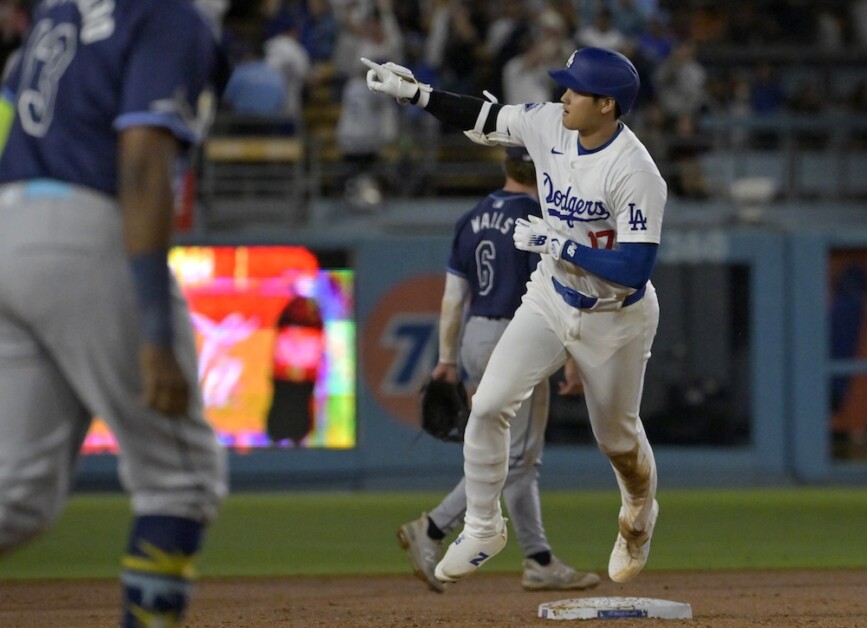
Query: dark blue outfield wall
pixel 748 308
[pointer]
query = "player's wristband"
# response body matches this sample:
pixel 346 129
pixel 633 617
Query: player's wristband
pixel 420 98
pixel 150 271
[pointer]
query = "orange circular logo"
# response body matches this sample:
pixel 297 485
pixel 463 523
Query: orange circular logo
pixel 400 344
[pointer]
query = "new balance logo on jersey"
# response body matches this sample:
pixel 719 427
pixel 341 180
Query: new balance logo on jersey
pixel 637 220
pixel 571 209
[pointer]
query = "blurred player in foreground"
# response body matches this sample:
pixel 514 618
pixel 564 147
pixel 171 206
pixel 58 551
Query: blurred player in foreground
pixel 488 275
pixel 590 297
pixel 104 99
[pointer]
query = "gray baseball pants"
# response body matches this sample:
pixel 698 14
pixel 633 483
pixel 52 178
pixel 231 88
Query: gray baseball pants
pixel 69 351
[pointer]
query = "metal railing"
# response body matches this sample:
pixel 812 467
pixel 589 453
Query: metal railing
pixel 817 156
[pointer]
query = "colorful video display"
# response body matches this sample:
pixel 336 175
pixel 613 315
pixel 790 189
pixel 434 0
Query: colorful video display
pixel 275 334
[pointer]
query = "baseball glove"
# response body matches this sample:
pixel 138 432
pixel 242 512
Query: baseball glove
pixel 444 410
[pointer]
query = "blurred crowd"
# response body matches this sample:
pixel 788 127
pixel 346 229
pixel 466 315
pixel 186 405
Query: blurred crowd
pixel 291 56
pixel 507 46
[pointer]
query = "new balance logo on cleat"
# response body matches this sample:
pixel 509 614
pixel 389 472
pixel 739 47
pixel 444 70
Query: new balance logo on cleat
pixel 479 559
pixel 467 553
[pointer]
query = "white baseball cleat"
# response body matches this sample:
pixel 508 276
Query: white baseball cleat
pixel 629 556
pixel 467 553
pixel 555 576
pixel 423 551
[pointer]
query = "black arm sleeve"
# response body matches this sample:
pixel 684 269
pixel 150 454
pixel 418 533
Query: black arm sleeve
pixel 460 111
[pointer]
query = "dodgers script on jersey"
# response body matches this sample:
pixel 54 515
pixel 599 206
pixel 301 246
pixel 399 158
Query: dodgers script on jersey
pixel 597 198
pixel 482 253
pixel 67 139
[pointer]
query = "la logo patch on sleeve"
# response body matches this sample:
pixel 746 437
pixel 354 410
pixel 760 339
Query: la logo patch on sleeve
pixel 637 220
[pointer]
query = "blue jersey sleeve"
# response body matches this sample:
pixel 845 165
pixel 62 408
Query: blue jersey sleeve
pixel 630 265
pixel 457 259
pixel 167 72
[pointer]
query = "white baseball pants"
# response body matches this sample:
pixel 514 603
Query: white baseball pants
pixel 611 350
pixel 527 440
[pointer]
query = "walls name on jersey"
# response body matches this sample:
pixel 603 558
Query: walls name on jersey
pixel 492 220
pixel 569 208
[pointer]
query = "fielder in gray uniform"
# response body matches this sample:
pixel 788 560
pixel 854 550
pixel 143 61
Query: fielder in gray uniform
pixel 101 105
pixel 487 276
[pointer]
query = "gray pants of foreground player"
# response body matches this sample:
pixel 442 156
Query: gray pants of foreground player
pixel 69 350
pixel 521 490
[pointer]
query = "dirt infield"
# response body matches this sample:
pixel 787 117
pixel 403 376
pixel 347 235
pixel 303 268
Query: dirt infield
pixel 824 599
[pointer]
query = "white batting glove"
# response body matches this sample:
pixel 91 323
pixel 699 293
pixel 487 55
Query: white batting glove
pixel 395 80
pixel 536 236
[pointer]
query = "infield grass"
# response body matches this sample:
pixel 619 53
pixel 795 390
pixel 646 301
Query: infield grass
pixel 260 534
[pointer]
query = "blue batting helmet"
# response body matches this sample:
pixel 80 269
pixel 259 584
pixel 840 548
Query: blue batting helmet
pixel 603 72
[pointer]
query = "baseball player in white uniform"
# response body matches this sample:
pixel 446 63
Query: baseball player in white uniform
pixel 591 297
pixel 486 278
